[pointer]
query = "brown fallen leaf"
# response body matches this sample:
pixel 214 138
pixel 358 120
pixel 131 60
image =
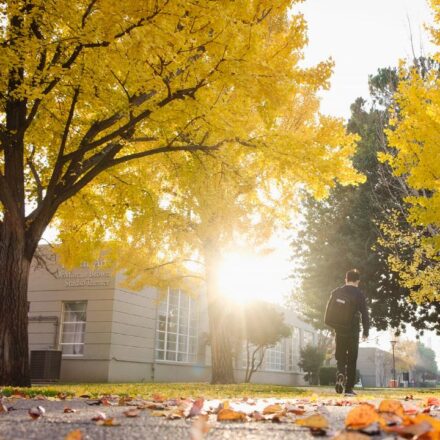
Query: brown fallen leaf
pixel 99 416
pixel 350 435
pixel 228 415
pixel 196 407
pixel 132 412
pixel 62 396
pixel 257 417
pixel 74 435
pixel 410 431
pixel 36 412
pixel 433 401
pixel 295 410
pixel 391 406
pixel 200 427
pixel 361 416
pixel 108 422
pixel 272 409
pixel 3 409
pixel 158 398
pixel 68 410
pixel 316 421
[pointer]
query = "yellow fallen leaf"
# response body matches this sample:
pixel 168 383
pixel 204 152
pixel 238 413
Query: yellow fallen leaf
pixel 108 422
pixel 316 421
pixel 361 416
pixel 272 409
pixel 226 414
pixel 74 435
pixel 391 406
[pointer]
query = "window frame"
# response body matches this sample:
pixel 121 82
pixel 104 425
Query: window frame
pixel 181 339
pixel 61 344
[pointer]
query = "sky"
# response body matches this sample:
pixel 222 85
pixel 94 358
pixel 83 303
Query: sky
pixel 362 36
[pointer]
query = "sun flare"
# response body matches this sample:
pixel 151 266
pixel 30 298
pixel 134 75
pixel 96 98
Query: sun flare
pixel 245 277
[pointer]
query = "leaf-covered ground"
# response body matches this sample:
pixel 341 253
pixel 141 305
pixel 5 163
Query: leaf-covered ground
pixel 202 411
pixel 203 389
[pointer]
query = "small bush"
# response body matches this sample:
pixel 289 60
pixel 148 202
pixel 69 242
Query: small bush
pixel 327 375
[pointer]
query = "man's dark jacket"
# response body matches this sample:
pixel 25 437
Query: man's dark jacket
pixel 361 309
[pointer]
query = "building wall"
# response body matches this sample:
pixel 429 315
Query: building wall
pixel 133 334
pixel 121 330
pixel 375 366
pixel 46 294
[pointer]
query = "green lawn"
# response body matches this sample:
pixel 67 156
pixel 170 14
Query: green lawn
pixel 168 390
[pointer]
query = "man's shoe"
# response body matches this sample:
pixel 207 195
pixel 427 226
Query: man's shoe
pixel 339 387
pixel 349 393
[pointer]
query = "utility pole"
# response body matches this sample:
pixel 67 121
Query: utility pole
pixel 393 343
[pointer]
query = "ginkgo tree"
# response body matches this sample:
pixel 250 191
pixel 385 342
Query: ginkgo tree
pixel 175 224
pixel 414 158
pixel 89 86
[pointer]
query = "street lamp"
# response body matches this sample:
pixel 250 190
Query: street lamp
pixel 393 343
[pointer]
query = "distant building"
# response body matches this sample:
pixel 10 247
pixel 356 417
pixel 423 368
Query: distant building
pixel 375 366
pixel 110 334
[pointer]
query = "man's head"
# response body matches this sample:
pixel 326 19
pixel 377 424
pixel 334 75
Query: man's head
pixel 352 277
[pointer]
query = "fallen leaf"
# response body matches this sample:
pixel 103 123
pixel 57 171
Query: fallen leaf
pixel 62 396
pixel 316 421
pixel 433 401
pixel 124 400
pixel 196 407
pixel 361 416
pixel 36 412
pixel 108 422
pixel 3 408
pixel 132 412
pixel 158 398
pixel 227 414
pixel 295 410
pixel 257 417
pixel 272 409
pixel 94 402
pixel 391 406
pixel 409 397
pixel 151 405
pixel 390 419
pixel 99 416
pixel 74 435
pixel 410 431
pixel 68 410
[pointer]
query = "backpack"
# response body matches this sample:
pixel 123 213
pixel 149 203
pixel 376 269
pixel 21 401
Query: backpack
pixel 341 310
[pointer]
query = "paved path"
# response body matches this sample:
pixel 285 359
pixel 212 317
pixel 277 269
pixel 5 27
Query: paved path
pixel 55 424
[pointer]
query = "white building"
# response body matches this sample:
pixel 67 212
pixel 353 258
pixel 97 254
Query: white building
pixel 111 334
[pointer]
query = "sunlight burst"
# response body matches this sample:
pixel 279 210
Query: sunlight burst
pixel 244 277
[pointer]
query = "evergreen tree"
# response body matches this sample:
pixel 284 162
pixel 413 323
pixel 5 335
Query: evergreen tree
pixel 342 232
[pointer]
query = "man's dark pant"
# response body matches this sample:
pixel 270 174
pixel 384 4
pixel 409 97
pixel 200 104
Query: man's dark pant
pixel 347 346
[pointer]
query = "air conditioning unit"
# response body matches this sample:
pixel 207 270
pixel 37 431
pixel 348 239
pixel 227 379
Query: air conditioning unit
pixel 45 365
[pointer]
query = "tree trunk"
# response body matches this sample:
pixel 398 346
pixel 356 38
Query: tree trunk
pixel 221 347
pixel 14 272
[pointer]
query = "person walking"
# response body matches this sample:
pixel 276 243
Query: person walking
pixel 343 311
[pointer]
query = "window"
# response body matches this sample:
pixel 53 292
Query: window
pixel 295 346
pixel 275 357
pixel 176 335
pixel 308 338
pixel 73 328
